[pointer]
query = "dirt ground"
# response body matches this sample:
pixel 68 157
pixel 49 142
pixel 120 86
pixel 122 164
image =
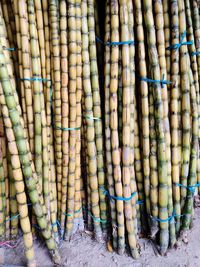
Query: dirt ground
pixel 83 251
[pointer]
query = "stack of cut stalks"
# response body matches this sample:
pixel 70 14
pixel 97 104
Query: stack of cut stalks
pixel 99 131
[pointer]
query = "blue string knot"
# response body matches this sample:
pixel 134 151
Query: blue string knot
pixel 162 82
pixel 177 46
pixel 189 187
pixel 115 43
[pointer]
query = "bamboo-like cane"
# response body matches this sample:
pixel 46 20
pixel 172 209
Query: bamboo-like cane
pixel 109 169
pixel 57 118
pixel 159 22
pixel 90 132
pixel 126 175
pixel 97 112
pixel 72 114
pixel 175 79
pixel 65 107
pixel 185 102
pixel 162 164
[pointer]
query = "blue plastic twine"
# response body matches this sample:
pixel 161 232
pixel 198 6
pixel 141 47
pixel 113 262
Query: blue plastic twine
pixel 9 48
pixel 170 218
pixel 195 53
pixel 162 82
pixel 35 79
pixel 189 187
pixel 177 46
pixel 115 43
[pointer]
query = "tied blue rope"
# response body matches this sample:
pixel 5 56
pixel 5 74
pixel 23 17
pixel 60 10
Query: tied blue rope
pixel 177 46
pixel 189 187
pixel 170 218
pixel 91 117
pixel 114 43
pixel 195 53
pixel 35 79
pixel 9 48
pixel 15 216
pixel 162 82
pixel 120 198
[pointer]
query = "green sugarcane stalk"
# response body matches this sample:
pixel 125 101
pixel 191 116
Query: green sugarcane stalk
pixel 192 178
pixel 126 120
pixel 185 102
pixel 159 22
pixel 158 103
pixel 175 79
pixel 143 92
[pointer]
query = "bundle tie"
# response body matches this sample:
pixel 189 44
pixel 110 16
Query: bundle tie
pixel 9 48
pixel 162 82
pixel 120 198
pixel 91 117
pixel 12 218
pixel 36 79
pixel 66 128
pixel 170 218
pixel 70 214
pixel 177 46
pixel 15 216
pixel 95 219
pixel 195 53
pixel 189 187
pixel 115 43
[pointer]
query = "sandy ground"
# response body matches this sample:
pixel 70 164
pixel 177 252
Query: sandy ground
pixel 83 251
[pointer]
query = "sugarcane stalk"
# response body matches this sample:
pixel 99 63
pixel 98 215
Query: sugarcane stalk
pixel 192 178
pixel 65 107
pixel 90 131
pixel 97 112
pixel 126 175
pixel 77 207
pixel 185 105
pixel 72 28
pixel 57 118
pixel 158 104
pixel 108 154
pixel 143 92
pixel 174 109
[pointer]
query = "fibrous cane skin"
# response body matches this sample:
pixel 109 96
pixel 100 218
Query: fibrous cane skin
pixel 161 144
pixel 175 79
pixel 116 155
pixel 159 24
pixel 109 169
pixel 72 114
pixel 126 119
pixel 92 178
pixel 97 112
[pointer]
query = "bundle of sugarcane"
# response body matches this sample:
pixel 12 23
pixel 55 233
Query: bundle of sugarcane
pixel 151 121
pixel 51 67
